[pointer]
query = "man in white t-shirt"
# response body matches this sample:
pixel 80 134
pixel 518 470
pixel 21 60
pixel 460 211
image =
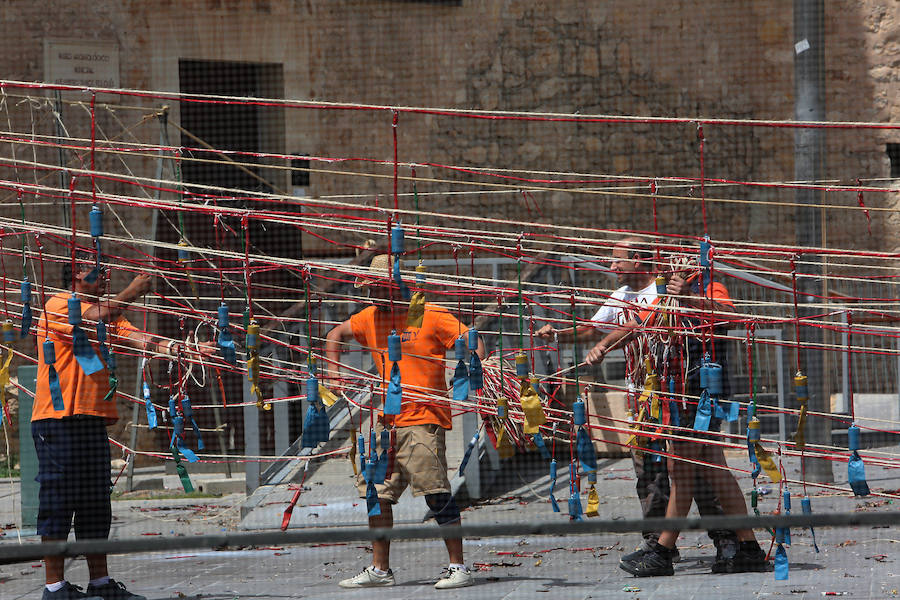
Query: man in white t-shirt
pixel 638 288
pixel 632 264
pixel 625 299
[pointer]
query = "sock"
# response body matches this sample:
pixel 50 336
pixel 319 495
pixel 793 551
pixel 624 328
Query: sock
pixel 55 587
pixel 378 571
pixel 751 545
pixel 459 566
pixel 99 581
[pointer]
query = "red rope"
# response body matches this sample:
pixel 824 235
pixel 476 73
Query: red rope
pixel 394 120
pixel 850 365
pixel 796 311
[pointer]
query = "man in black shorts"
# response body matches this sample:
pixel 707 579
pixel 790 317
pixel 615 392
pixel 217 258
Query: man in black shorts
pixel 73 404
pixel 632 262
pixel 655 558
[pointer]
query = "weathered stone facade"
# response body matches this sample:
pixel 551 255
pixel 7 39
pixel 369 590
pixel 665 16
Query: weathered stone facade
pixel 646 58
pixel 622 58
pixel 681 59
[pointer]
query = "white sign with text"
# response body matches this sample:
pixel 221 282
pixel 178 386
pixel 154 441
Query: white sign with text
pixel 81 63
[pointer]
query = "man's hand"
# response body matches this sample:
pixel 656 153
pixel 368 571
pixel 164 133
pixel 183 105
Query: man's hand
pixel 330 377
pixel 596 354
pixel 141 284
pixel 171 348
pixel 678 286
pixel 546 332
pixel 207 349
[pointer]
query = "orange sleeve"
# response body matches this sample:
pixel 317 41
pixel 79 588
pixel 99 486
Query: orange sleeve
pixel 719 293
pixel 360 324
pixel 57 310
pixel 447 327
pixel 55 317
pixel 124 328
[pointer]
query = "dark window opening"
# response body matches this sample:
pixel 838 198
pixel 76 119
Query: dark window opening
pixel 211 172
pixel 235 127
pixel 299 172
pixel 236 180
pixel 893 152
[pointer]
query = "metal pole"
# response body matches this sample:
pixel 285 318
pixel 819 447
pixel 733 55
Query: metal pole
pixel 280 389
pixel 217 415
pixel 163 116
pixel 61 153
pixel 779 369
pixel 809 156
pixel 251 439
pixel 845 368
pixel 897 379
pixel 30 552
pixel 473 469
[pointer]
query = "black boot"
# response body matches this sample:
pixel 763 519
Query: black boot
pixel 726 549
pixel 645 546
pixel 749 558
pixel 656 560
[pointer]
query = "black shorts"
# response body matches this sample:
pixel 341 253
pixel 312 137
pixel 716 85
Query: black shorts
pixel 688 412
pixel 73 473
pixel 686 418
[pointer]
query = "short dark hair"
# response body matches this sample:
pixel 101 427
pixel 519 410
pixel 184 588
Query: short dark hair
pixel 83 258
pixel 640 248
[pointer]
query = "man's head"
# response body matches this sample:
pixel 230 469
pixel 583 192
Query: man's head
pixel 631 263
pixel 89 279
pixel 377 282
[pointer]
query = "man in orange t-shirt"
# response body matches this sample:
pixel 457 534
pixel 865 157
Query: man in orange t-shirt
pixel 70 434
pixel 420 452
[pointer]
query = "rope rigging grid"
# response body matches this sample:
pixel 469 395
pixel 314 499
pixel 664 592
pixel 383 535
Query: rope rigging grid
pixel 260 275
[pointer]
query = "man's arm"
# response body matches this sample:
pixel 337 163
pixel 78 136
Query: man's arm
pixel 617 337
pixel 112 310
pixel 145 342
pixel 334 342
pixel 605 319
pixel 480 349
pixel 585 332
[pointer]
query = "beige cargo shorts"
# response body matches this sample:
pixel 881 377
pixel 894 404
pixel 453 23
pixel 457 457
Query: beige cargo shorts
pixel 420 460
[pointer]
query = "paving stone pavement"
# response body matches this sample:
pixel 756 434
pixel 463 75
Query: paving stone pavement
pixel 853 562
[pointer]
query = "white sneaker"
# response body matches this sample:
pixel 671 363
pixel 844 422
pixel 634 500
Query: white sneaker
pixel 369 578
pixel 454 577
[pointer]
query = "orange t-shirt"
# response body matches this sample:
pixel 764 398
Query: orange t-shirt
pixel 83 394
pixel 422 368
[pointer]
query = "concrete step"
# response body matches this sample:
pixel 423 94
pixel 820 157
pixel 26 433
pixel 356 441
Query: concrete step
pixel 201 467
pixel 158 480
pixel 221 486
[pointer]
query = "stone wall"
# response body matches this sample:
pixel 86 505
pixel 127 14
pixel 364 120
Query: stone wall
pixel 645 58
pixel 677 59
pixel 682 58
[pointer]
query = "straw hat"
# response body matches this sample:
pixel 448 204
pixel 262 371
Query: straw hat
pixel 381 263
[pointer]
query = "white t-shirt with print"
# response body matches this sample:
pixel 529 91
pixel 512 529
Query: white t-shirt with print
pixel 623 300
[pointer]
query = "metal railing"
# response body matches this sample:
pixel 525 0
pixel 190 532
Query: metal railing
pixel 11 552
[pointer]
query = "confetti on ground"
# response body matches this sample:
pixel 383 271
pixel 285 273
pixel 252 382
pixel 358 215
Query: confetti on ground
pixel 488 566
